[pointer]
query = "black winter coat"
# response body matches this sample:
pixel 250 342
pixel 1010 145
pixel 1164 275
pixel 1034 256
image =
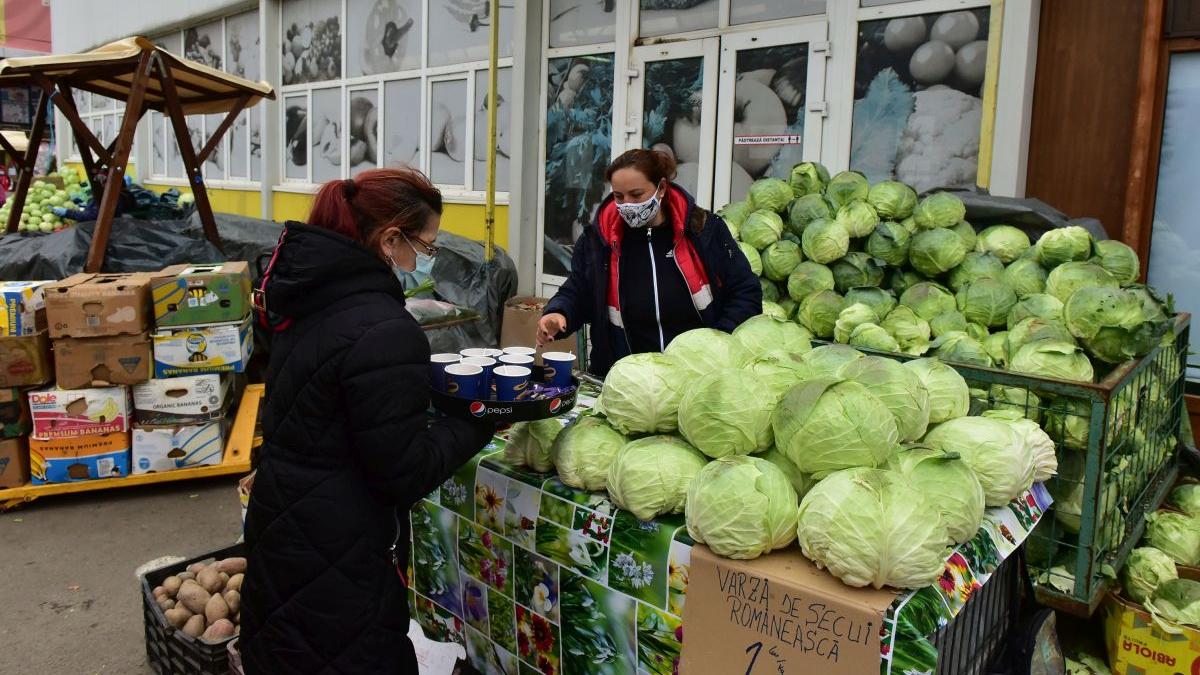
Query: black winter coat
pixel 348 449
pixel 583 298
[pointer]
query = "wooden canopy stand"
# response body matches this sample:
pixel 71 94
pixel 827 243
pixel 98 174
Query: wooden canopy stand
pixel 146 78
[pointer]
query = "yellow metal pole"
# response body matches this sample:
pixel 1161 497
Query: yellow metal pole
pixel 489 210
pixel 991 82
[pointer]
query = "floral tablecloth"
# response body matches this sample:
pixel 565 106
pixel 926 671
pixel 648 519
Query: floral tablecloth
pixel 532 576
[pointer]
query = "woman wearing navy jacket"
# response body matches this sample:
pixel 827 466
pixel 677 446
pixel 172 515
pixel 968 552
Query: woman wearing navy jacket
pixel 652 265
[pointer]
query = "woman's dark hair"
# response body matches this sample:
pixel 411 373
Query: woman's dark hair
pixel 654 165
pixel 363 206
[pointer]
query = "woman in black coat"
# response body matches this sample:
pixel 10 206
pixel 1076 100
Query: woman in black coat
pixel 348 445
pixel 652 265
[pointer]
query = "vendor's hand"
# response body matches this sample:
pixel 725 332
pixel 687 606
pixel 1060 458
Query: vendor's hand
pixel 59 211
pixel 549 328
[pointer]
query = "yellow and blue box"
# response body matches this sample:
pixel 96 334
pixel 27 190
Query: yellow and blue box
pixel 196 350
pixel 24 311
pixel 167 448
pixel 69 460
pixel 193 295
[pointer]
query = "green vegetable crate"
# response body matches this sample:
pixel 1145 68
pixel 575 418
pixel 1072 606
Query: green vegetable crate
pixel 1117 444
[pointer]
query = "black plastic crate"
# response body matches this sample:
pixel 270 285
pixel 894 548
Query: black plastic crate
pixel 976 642
pixel 171 651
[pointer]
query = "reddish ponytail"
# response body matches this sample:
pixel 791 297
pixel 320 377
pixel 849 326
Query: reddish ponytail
pixel 362 207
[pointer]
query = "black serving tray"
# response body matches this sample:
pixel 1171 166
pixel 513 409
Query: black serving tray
pixel 507 411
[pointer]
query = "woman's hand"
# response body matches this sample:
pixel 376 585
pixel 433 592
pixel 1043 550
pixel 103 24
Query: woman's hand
pixel 549 327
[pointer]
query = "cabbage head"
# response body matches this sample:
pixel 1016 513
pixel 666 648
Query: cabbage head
pixel 948 322
pixel 800 482
pixel 1038 305
pixel 762 228
pixel 805 210
pixel 770 292
pixel 928 299
pixel 1025 276
pixel 996 345
pixel 734 213
pixel 788 307
pixel 959 347
pixel 762 334
pixel 827 360
pixel 774 310
pixel 1034 329
pixel 966 232
pixel 584 452
pixel 846 187
pixel 650 476
pixel 1064 280
pixel 948 484
pixel 850 318
pixel 1186 498
pixel 911 331
pixel 1146 568
pixel 933 252
pixel 808 278
pixel 824 241
pixel 949 396
pixel 808 178
pixel 723 414
pixel 854 270
pixel 900 280
pixel 641 394
pixel 819 313
pixel 1177 601
pixel 741 508
pixel 872 336
pixel 1057 360
pixel 974 266
pixel 859 218
pixel 876 298
pixel 1118 260
pixel 895 542
pixel 1045 461
pixel 824 426
pixel 889 243
pixel 986 302
pixel 1176 534
pixel 778 372
pixel 1112 324
pixel 1063 245
pixel 1004 241
pixel 1068 421
pixel 753 257
pixel 893 200
pixel 977 331
pixel 530 444
pixel 996 453
pixel 780 259
pixel 771 194
pixel 896 387
pixel 701 351
pixel 939 210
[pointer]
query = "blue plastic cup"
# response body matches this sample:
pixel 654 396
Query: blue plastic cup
pixel 488 364
pixel 464 380
pixel 520 351
pixel 511 381
pixel 437 369
pixel 558 368
pixel 516 360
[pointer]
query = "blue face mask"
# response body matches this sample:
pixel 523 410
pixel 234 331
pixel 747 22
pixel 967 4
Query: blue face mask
pixel 422 271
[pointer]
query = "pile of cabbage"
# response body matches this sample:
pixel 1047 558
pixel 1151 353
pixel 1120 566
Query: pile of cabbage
pixel 876 467
pixel 877 267
pixel 42 198
pixel 1151 575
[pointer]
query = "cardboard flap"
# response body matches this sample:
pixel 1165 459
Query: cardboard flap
pixel 778 614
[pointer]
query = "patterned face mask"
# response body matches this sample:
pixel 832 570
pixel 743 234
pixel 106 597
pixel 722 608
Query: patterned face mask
pixel 639 215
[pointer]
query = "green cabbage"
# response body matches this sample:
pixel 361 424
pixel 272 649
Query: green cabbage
pixel 949 397
pixel 859 218
pixel 1034 329
pixel 778 371
pixel 893 200
pixel 529 444
pixel 808 178
pixel 774 310
pixel 900 280
pixel 850 318
pixel 898 388
pixel 1009 411
pixel 762 334
pixel 966 232
pixel 701 351
pixel 854 270
pixel 819 312
pixel 986 301
pixel 1176 534
pixel 870 527
pixel 948 322
pixel 1025 276
pixel 722 414
pixel 827 360
pixel 762 228
pixel 770 292
pixel 1186 498
pixel 876 298
pixel 808 278
pixel 1146 568
pixel 800 482
pixel 650 477
pixel 872 336
pixel 753 257
pixel 939 210
pixel 805 210
pixel 741 508
pixel 996 345
pixel 846 187
pixel 1004 241
pixel 889 243
pixel 788 306
pixel 996 453
pixel 1057 360
pixel 948 484
pixel 1039 305
pixel 771 194
pixel 824 426
pixel 977 331
pixel 641 394
pixel 974 266
pixel 584 452
pixel 734 213
pixel 824 241
pixel 780 259
pixel 1112 323
pixel 1063 245
pixel 1067 278
pixel 1177 601
pixel 957 347
pixel 933 252
pixel 928 299
pixel 912 333
pixel 1118 260
pixel 1068 421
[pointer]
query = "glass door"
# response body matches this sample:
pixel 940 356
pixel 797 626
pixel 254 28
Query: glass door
pixel 773 118
pixel 673 108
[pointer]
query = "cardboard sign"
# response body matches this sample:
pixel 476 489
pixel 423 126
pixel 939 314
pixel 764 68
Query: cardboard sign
pixel 103 361
pixel 58 413
pixel 195 350
pixel 778 614
pixel 14 462
pixel 25 360
pixel 190 295
pixel 518 327
pixel 24 307
pixel 68 460
pixel 181 400
pixel 97 305
pixel 179 447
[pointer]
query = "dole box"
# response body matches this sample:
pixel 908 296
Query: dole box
pixel 59 413
pixel 192 295
pixel 196 350
pixel 195 399
pixel 69 460
pixel 24 310
pixel 167 448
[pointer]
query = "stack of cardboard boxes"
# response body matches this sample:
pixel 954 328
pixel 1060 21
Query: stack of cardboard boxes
pixel 24 362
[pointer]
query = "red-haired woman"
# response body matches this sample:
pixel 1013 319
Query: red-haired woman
pixel 651 266
pixel 348 447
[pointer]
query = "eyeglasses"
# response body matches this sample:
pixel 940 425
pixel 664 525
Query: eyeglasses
pixel 430 249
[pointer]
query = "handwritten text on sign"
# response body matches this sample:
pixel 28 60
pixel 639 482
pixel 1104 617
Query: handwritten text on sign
pixel 811 627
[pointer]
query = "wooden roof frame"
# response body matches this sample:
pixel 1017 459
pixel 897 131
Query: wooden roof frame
pixel 145 77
